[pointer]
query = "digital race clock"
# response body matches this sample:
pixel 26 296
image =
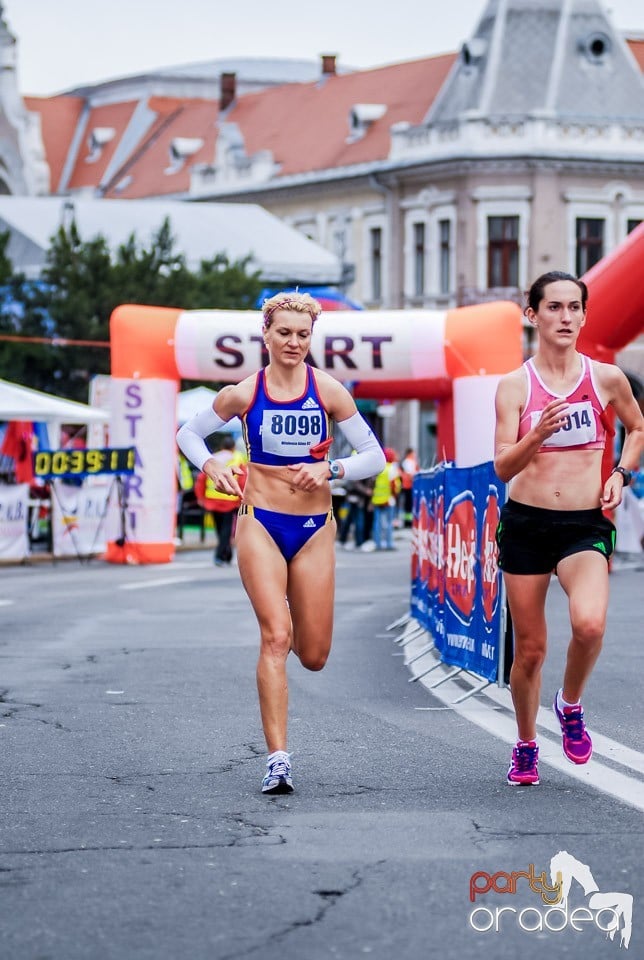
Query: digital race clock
pixel 86 462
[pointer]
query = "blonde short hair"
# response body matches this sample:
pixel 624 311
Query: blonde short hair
pixel 299 302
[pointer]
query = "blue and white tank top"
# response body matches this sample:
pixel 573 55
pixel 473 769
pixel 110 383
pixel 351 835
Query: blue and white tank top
pixel 278 432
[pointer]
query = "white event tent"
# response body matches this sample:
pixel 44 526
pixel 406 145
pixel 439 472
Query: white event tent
pixel 278 251
pixel 22 403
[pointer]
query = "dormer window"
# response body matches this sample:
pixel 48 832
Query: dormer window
pixel 97 139
pixel 473 51
pixel 596 46
pixel 181 148
pixel 362 116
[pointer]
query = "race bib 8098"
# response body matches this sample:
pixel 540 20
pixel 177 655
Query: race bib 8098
pixel 290 433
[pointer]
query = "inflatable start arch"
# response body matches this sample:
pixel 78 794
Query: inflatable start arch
pixel 456 356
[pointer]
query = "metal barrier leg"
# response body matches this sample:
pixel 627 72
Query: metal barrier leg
pixel 407 636
pixel 470 693
pixel 419 676
pixel 406 617
pixel 448 676
pixel 421 653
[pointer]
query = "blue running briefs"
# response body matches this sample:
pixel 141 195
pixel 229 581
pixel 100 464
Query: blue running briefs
pixel 289 532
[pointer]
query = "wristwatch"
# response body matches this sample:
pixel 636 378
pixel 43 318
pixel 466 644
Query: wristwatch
pixel 334 469
pixel 627 476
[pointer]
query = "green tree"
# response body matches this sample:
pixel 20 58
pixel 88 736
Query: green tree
pixel 81 284
pixel 6 266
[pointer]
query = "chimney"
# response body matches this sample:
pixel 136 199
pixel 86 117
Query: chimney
pixel 328 64
pixel 227 89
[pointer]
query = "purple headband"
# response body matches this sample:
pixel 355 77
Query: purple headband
pixel 283 305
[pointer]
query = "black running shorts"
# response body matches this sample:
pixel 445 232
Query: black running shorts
pixel 533 540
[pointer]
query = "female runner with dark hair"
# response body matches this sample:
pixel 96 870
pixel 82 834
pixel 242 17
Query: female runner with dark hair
pixel 285 531
pixel 551 430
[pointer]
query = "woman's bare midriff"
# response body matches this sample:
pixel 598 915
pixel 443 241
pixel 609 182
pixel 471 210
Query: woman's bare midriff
pixel 561 480
pixel 270 488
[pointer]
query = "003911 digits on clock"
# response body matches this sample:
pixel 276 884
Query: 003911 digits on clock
pixel 84 462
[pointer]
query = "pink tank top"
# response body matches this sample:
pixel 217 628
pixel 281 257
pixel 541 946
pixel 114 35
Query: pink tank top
pixel 585 427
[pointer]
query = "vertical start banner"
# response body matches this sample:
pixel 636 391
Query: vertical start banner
pixel 456 582
pixel 140 525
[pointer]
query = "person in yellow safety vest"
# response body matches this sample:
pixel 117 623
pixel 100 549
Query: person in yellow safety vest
pixel 184 473
pixel 222 506
pixel 384 497
pixel 408 470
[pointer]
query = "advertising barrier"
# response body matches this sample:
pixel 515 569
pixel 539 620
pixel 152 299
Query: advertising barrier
pixel 455 580
pixel 78 518
pixel 14 508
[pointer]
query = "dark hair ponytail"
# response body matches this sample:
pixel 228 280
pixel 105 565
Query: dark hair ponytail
pixel 536 292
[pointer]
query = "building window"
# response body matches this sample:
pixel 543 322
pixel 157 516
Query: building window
pixel 589 235
pixel 444 255
pixel 375 242
pixel 419 259
pixel 503 252
pixel 631 224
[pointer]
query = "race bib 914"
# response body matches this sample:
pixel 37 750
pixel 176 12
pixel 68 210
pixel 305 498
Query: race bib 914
pixel 580 426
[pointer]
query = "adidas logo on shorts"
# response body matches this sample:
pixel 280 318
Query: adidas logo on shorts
pixel 310 404
pixel 309 523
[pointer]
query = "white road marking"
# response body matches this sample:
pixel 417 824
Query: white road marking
pixel 602 745
pixel 194 565
pixel 501 724
pixel 6 603
pixel 161 582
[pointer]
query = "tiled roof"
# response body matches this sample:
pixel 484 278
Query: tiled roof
pixel 636 45
pixel 59 118
pixel 149 169
pixel 306 126
pixel 88 172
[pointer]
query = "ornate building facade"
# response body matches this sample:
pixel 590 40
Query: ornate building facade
pixel 436 182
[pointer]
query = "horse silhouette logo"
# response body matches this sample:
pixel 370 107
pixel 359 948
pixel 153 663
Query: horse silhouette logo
pixel 565 868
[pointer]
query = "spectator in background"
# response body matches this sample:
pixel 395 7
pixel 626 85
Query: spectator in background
pixel 387 486
pixel 222 507
pixel 408 470
pixel 358 497
pixel 338 499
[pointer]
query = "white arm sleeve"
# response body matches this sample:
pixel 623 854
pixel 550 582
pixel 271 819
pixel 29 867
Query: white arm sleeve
pixel 191 437
pixel 369 458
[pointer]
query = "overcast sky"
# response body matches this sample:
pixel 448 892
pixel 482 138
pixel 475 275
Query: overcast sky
pixel 65 43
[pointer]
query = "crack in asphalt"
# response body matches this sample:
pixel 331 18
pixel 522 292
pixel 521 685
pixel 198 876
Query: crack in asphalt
pixel 329 898
pixel 483 833
pixel 126 847
pixel 248 833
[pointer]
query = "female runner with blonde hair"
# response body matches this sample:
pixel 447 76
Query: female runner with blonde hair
pixel 286 531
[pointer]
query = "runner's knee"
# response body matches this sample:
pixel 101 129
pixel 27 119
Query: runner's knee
pixel 529 659
pixel 314 661
pixel 588 628
pixel 276 642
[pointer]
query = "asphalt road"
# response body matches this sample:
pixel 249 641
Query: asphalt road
pixel 131 822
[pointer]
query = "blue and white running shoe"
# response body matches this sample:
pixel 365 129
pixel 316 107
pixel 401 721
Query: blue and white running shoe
pixel 278 777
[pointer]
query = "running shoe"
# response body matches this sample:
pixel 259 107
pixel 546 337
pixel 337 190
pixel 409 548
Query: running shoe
pixel 524 766
pixel 278 777
pixel 576 743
